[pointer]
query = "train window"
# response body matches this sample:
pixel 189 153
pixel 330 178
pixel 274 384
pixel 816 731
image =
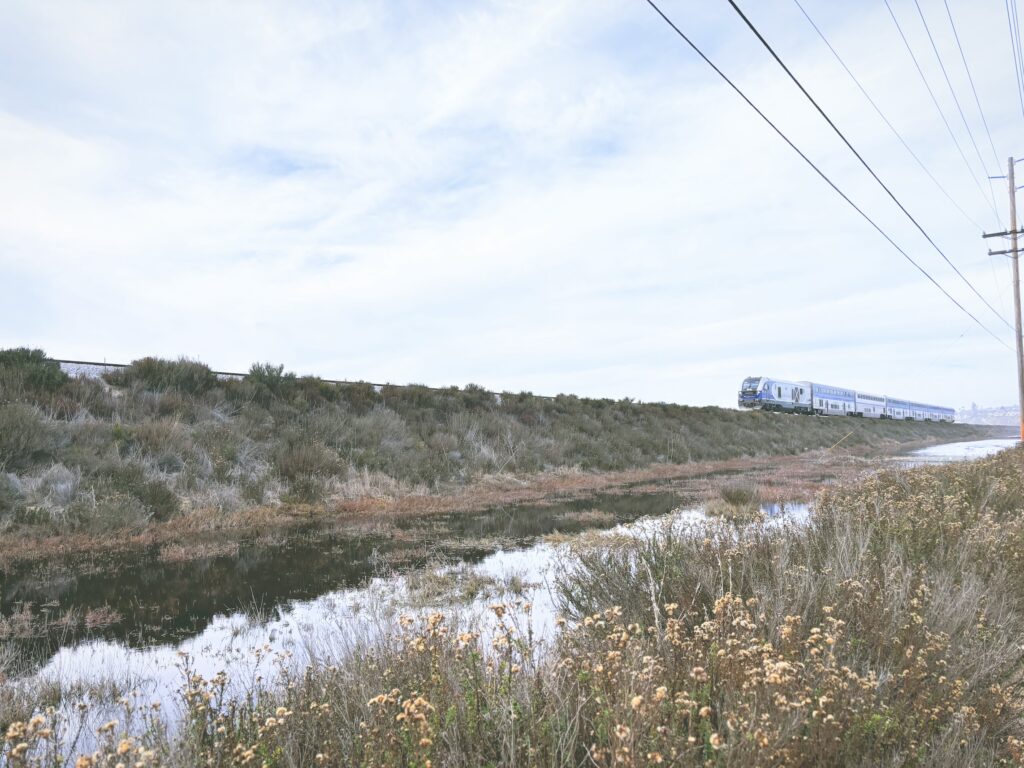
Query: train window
pixel 779 390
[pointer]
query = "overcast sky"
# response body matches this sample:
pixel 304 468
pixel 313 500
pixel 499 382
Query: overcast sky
pixel 532 195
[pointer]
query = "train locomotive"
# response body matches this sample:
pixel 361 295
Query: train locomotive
pixel 811 398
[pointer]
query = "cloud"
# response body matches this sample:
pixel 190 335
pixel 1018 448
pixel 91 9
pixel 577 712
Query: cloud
pixel 550 196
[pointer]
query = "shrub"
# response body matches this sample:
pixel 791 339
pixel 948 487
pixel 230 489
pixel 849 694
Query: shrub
pixel 128 479
pixel 360 396
pixel 108 512
pixel 269 381
pixel 188 376
pixel 25 371
pixel 297 456
pixel 25 438
pixel 306 488
pixel 167 443
pixel 55 488
pixel 82 396
pixel 10 496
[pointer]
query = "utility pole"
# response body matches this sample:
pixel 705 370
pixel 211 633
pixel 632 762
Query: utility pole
pixel 1016 294
pixel 1015 256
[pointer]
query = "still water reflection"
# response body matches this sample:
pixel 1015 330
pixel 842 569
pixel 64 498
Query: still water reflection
pixel 153 600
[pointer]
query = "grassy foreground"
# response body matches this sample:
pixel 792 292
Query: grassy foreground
pixel 163 440
pixel 886 632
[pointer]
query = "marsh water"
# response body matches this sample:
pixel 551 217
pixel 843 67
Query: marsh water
pixel 320 593
pixel 148 600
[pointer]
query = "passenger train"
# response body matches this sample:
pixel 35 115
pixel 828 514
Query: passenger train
pixel 824 400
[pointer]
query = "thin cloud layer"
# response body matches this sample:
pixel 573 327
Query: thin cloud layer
pixel 548 196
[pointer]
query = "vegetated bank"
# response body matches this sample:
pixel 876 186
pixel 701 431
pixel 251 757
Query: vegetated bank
pixel 163 441
pixel 886 631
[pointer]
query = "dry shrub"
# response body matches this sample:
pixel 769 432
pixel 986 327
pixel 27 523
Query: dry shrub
pixel 180 553
pixel 586 518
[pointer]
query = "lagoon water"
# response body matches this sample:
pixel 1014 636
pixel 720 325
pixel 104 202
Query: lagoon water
pixel 976 449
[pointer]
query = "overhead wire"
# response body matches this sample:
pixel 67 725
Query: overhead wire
pixel 1015 28
pixel 956 101
pixel 970 79
pixel 867 166
pixel 938 108
pixel 818 170
pixel 886 120
pixel 1016 57
pixel 1000 288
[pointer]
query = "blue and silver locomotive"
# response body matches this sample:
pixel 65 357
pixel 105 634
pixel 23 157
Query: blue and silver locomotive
pixel 825 400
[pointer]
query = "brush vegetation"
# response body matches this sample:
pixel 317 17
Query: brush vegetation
pixel 884 632
pixel 163 438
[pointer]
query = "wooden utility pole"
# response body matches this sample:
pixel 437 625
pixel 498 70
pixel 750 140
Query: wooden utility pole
pixel 1014 254
pixel 1016 294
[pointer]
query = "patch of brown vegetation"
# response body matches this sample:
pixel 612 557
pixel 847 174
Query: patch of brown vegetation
pixel 180 553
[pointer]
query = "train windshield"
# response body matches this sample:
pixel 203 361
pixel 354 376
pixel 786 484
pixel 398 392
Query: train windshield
pixel 750 384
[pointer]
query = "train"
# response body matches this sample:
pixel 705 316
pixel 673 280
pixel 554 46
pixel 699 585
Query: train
pixel 810 398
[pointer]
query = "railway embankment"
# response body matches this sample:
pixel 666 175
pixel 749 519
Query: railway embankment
pixel 167 450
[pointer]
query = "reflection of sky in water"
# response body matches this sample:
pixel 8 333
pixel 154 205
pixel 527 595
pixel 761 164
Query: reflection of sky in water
pixel 166 602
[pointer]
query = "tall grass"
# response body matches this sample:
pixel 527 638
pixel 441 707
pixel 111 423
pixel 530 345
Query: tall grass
pixel 885 632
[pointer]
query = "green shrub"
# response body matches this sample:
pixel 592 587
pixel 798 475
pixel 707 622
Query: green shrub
pixel 269 381
pixel 188 376
pixel 25 371
pixel 254 489
pixel 10 496
pixel 25 438
pixel 82 394
pixel 306 488
pixel 296 457
pixel 360 396
pixel 127 479
pixel 108 512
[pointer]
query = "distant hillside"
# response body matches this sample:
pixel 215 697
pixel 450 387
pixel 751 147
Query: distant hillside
pixel 1004 415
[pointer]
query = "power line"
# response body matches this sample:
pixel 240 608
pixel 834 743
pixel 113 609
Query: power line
pixel 956 101
pixel 938 108
pixel 970 79
pixel 1016 57
pixel 885 119
pixel 817 170
pixel 1015 49
pixel 1015 29
pixel 863 162
pixel 984 121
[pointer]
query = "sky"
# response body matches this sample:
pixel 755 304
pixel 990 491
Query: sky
pixel 539 195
